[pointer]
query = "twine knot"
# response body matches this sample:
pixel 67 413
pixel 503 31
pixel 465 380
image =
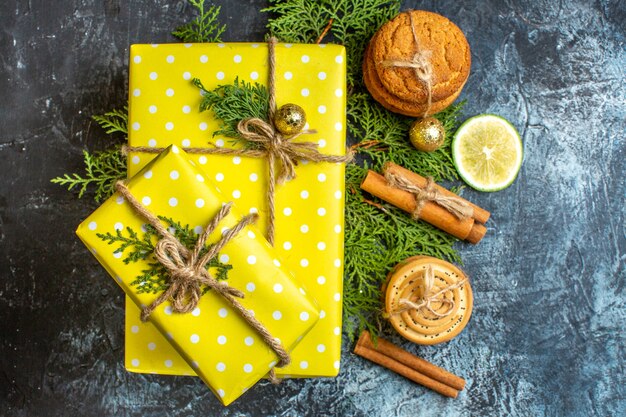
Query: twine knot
pixel 188 274
pixel 458 207
pixel 280 148
pixel 429 296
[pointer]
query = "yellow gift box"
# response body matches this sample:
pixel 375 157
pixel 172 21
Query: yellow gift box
pixel 164 109
pixel 223 349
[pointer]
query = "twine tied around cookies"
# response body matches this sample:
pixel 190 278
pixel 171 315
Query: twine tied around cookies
pixel 420 63
pixel 281 152
pixel 458 207
pixel 429 296
pixel 187 270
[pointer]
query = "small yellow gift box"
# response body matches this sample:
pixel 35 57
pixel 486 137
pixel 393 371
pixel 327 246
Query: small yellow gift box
pixel 164 110
pixel 223 349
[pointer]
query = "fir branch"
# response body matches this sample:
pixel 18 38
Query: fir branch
pixel 102 170
pixel 233 102
pixel 136 248
pixel 298 21
pixel 114 121
pixel 204 28
pixel 384 137
pixel 353 24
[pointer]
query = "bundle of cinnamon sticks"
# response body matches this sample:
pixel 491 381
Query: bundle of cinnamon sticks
pixel 470 228
pixel 408 365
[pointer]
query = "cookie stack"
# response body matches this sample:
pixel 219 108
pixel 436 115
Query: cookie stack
pixel 417 63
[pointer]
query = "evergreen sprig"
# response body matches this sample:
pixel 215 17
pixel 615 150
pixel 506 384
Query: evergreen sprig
pixel 351 23
pixel 137 247
pixel 233 102
pixel 383 136
pixel 204 28
pixel 102 170
pixel 298 21
pixel 114 121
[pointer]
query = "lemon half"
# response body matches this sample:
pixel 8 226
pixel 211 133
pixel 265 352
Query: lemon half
pixel 487 152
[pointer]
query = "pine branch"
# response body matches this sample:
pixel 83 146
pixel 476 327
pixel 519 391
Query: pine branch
pixel 384 137
pixel 114 121
pixel 102 170
pixel 298 21
pixel 353 24
pixel 136 248
pixel 233 102
pixel 204 28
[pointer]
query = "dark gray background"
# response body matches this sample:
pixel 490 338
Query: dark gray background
pixel 546 336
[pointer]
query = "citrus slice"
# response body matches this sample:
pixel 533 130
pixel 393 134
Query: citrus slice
pixel 487 152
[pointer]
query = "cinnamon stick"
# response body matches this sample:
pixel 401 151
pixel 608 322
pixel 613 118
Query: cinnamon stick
pixel 480 214
pixel 420 365
pixel 432 213
pixel 407 372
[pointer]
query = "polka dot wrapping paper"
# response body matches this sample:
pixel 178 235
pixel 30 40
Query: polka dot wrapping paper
pixel 164 110
pixel 213 339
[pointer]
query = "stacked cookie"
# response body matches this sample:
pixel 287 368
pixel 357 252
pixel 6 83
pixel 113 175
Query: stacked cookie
pixel 417 63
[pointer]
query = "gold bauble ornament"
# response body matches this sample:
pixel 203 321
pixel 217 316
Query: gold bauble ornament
pixel 290 119
pixel 427 134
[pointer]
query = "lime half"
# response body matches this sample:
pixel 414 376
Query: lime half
pixel 487 152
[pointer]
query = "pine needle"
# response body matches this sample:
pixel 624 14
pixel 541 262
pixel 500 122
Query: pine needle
pixel 114 121
pixel 353 24
pixel 232 103
pixel 298 21
pixel 204 28
pixel 102 170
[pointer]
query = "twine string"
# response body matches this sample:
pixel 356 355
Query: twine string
pixel 281 152
pixel 187 269
pixel 420 63
pixel 458 207
pixel 429 297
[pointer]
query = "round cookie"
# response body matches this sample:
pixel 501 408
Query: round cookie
pixel 438 37
pixel 406 281
pixel 394 104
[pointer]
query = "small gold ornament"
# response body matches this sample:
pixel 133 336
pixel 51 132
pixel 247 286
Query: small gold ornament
pixel 290 119
pixel 427 134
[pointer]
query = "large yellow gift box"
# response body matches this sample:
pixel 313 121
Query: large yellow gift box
pixel 164 110
pixel 223 349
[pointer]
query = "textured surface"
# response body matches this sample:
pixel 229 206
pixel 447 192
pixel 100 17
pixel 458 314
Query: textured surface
pixel 546 334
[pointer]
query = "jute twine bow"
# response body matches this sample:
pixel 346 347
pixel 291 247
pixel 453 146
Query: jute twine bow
pixel 187 269
pixel 429 297
pixel 281 152
pixel 420 63
pixel 455 205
